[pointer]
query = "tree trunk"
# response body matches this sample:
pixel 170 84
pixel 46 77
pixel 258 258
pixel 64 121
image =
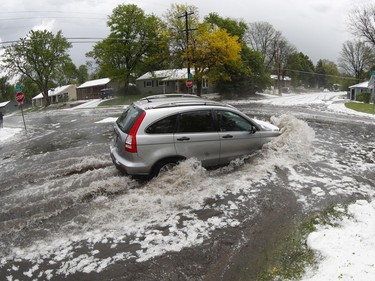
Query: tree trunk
pixel 199 88
pixel 46 98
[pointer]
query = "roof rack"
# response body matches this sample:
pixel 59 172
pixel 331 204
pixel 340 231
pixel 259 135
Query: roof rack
pixel 164 96
pixel 186 103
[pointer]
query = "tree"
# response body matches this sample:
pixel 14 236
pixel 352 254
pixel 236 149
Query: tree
pixel 67 74
pixel 232 26
pixel 210 53
pixel 82 74
pixel 248 75
pixel 356 59
pixel 6 91
pixel 327 74
pixel 321 77
pixel 176 26
pixel 300 69
pixel 362 23
pixel 38 57
pixel 264 38
pixel 282 51
pixel 134 37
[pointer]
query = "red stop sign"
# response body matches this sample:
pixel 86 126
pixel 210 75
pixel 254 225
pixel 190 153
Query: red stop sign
pixel 189 83
pixel 20 97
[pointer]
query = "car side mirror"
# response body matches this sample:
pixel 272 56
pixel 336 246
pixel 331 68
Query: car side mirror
pixel 253 129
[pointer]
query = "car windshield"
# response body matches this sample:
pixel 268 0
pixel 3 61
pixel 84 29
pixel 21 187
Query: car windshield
pixel 128 118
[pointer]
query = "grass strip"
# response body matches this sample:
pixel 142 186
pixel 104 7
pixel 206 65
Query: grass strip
pixel 293 256
pixel 361 107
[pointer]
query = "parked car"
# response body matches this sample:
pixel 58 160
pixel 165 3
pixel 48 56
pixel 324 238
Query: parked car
pixel 106 93
pixel 157 132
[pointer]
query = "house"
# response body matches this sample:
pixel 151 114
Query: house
pixel 91 89
pixel 56 95
pixel 3 107
pixel 286 81
pixel 359 88
pixel 166 82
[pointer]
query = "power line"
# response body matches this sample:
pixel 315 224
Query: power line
pixel 320 74
pixel 73 40
pixel 33 18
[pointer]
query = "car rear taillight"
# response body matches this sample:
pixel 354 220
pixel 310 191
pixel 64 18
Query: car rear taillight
pixel 131 140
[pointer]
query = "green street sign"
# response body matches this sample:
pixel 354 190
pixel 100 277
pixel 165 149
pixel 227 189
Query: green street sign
pixel 18 88
pixel 373 72
pixel 190 76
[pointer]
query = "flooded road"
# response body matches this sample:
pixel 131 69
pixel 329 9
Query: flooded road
pixel 67 214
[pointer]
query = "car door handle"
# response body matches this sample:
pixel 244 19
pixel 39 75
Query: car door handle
pixel 183 139
pixel 227 137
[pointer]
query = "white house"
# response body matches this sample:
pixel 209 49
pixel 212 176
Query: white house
pixel 166 81
pixel 359 88
pixel 58 94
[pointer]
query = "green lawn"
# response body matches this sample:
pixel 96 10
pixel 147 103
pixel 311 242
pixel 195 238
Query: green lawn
pixel 361 107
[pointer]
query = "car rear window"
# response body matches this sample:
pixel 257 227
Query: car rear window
pixel 128 118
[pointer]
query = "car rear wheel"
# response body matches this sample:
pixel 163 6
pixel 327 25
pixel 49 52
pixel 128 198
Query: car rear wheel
pixel 165 166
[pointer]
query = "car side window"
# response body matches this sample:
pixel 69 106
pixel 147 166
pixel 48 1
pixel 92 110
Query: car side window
pixel 164 126
pixel 229 121
pixel 196 122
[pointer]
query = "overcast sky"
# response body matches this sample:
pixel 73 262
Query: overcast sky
pixel 318 28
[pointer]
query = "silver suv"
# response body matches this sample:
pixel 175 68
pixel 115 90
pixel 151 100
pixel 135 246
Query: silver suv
pixel 158 132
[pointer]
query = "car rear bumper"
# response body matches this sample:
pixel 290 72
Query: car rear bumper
pixel 128 167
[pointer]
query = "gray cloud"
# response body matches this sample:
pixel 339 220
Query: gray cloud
pixel 316 27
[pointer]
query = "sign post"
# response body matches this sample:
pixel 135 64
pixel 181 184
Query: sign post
pixel 20 97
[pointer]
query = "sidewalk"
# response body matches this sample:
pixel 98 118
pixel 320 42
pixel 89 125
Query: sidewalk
pixel 89 104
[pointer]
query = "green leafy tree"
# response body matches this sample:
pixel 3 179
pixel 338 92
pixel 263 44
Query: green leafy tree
pixel 31 89
pixel 212 52
pixel 6 91
pixel 232 26
pixel 67 74
pixel 321 78
pixel 327 74
pixel 249 75
pixel 300 69
pixel 82 74
pixel 39 57
pixel 134 38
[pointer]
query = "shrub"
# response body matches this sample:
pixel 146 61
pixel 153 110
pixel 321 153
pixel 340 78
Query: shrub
pixel 364 97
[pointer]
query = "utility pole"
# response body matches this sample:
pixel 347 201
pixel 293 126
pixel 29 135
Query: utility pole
pixel 186 16
pixel 278 69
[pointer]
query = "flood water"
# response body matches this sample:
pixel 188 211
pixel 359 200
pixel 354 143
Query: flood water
pixel 66 213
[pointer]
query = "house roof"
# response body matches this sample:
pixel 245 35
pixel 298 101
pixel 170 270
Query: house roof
pixel 54 92
pixel 59 90
pixel 97 82
pixel 2 104
pixel 361 85
pixel 166 75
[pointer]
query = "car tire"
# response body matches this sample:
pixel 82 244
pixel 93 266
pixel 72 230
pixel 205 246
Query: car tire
pixel 164 166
